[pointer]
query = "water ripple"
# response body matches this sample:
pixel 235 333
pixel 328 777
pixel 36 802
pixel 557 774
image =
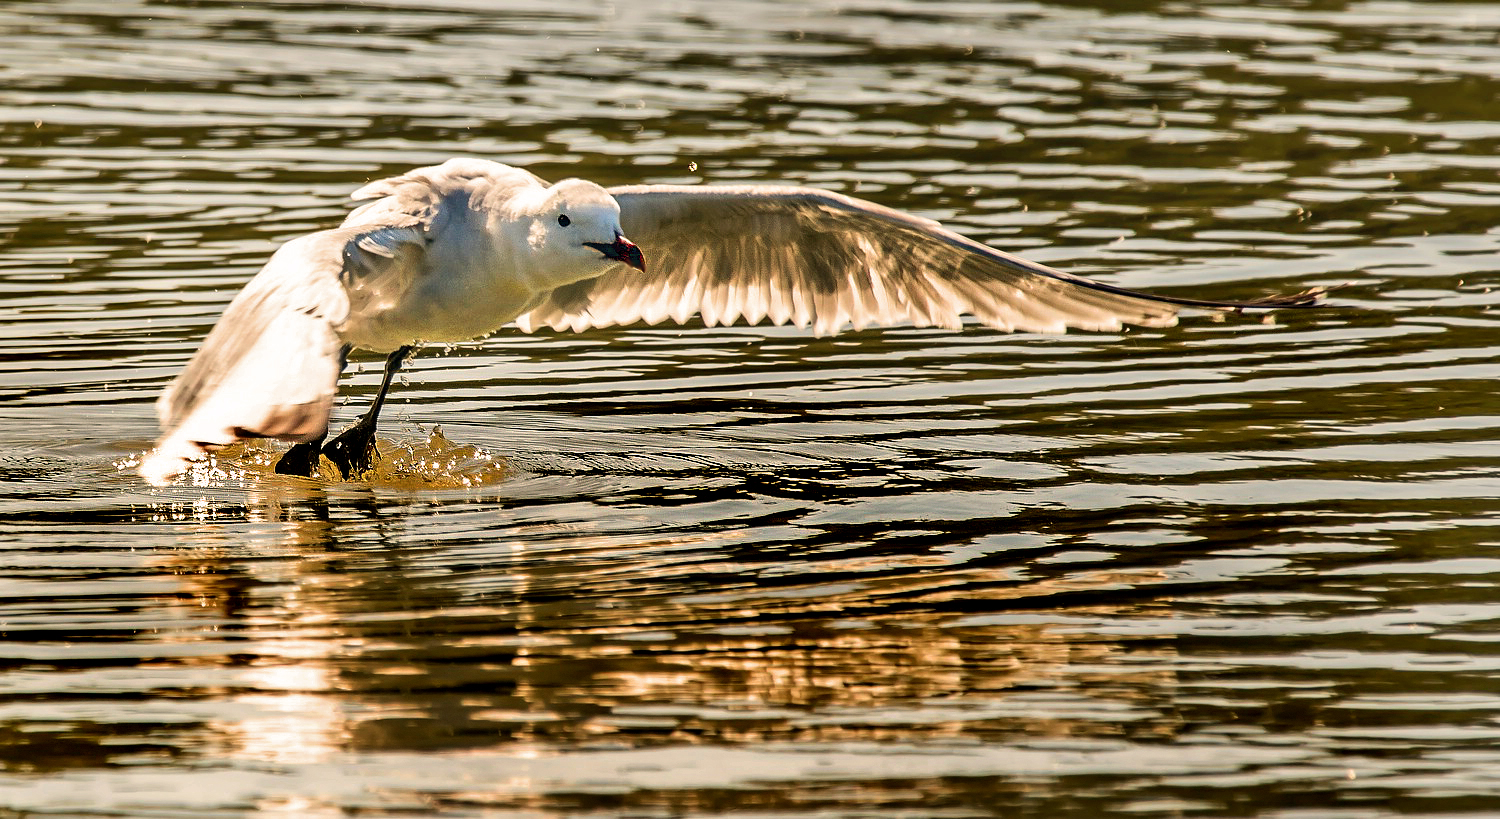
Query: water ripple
pixel 1233 566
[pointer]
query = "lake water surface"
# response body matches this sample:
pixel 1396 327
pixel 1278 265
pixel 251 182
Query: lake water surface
pixel 1232 568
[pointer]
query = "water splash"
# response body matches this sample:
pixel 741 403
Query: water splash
pixel 431 462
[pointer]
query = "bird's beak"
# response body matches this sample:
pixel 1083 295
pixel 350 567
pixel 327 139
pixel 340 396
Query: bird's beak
pixel 622 250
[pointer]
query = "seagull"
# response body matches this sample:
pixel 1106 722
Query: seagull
pixel 453 252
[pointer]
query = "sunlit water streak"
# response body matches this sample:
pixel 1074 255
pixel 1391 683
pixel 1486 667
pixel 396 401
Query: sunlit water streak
pixel 1229 568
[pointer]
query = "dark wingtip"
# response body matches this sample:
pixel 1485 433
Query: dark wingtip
pixel 1312 297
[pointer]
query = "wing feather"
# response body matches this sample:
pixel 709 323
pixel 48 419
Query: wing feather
pixel 300 280
pixel 810 257
pixel 270 366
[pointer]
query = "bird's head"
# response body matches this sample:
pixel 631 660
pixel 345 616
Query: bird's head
pixel 579 228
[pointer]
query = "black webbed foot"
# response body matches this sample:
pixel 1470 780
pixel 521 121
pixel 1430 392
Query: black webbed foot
pixel 301 460
pixel 354 450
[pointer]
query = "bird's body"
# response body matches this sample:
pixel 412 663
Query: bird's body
pixel 456 251
pixel 445 254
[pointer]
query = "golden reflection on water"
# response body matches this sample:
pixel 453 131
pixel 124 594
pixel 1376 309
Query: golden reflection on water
pixel 322 672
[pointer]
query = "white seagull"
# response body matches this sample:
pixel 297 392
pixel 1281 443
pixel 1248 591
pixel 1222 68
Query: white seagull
pixel 453 252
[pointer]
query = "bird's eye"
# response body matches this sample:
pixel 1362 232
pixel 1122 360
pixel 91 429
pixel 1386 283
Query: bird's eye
pixel 562 219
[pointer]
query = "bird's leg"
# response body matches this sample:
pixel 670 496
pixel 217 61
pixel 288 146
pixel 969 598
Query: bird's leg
pixel 354 450
pixel 302 459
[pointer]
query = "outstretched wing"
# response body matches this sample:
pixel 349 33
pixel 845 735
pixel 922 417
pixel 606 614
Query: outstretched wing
pixel 812 257
pixel 270 367
pixel 274 332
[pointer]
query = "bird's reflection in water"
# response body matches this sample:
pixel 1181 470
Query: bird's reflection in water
pixel 365 623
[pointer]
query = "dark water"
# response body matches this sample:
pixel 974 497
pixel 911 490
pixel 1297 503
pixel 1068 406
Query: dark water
pixel 1227 569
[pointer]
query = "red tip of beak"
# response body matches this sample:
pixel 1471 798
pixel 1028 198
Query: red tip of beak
pixel 621 250
pixel 628 253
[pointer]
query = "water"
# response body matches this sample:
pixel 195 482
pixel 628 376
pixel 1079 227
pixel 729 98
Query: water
pixel 1227 569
